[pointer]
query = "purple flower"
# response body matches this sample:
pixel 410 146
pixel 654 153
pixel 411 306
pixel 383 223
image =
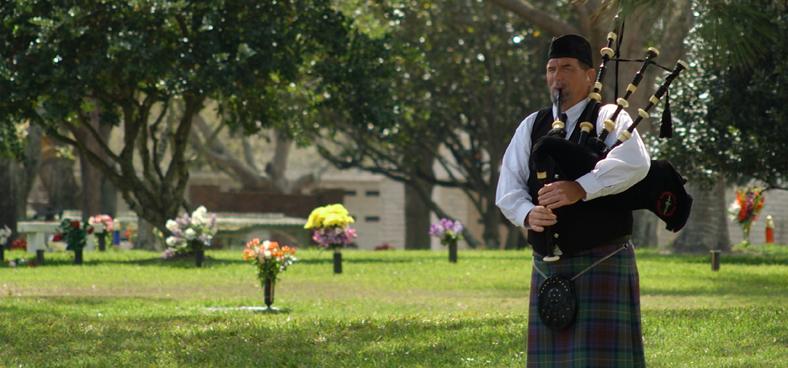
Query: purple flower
pixel 447 230
pixel 436 230
pixel 334 236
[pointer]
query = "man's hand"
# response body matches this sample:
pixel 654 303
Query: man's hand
pixel 560 193
pixel 539 217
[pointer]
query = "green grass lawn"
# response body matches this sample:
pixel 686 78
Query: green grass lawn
pixel 389 309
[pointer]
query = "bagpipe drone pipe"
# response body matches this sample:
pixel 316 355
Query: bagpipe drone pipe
pixel 556 158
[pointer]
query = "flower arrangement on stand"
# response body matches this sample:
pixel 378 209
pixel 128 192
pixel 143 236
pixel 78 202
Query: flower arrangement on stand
pixel 75 234
pixel 449 232
pixel 331 229
pixel 745 209
pixel 191 234
pixel 103 226
pixel 270 259
pixel 5 234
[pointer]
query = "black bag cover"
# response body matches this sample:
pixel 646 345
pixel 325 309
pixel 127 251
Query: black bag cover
pixel 661 191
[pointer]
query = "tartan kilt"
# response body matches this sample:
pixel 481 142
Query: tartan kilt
pixel 607 330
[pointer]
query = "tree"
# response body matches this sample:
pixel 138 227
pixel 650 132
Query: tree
pixel 129 60
pixel 465 75
pixel 729 126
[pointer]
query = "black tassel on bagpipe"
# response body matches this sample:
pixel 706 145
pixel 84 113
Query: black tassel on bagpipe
pixel 666 126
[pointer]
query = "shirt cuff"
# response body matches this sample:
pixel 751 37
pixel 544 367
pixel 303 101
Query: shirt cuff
pixel 591 185
pixel 522 213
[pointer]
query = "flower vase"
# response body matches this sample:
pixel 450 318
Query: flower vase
pixel 337 260
pixel 453 252
pixel 78 256
pixel 745 235
pixel 268 292
pixel 102 242
pixel 199 257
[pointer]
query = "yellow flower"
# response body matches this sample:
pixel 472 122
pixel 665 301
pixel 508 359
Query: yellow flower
pixel 334 215
pixel 315 219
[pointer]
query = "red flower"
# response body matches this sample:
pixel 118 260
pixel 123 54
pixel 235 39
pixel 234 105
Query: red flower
pixel 75 224
pixel 57 237
pixel 19 244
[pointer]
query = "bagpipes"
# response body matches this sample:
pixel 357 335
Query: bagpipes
pixel 556 158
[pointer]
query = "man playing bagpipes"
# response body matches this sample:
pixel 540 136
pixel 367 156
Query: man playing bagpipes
pixel 572 175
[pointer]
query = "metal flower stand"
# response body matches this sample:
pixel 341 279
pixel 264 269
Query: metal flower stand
pixel 453 252
pixel 102 243
pixel 268 293
pixel 337 261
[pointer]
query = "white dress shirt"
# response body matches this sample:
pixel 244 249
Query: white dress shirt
pixel 623 167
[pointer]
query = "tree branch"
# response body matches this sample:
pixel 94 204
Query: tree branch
pixel 153 130
pixel 217 155
pixel 542 19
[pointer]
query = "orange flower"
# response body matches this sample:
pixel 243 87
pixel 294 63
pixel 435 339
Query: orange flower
pixel 253 243
pixel 249 253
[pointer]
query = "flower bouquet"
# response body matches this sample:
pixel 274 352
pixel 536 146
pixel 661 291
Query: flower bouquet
pixel 103 226
pixel 191 234
pixel 75 234
pixel 449 232
pixel 5 234
pixel 745 209
pixel 270 259
pixel 330 227
pixel 20 244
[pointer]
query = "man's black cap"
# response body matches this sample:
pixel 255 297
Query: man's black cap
pixel 571 46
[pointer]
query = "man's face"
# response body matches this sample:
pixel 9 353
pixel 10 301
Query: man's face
pixel 568 75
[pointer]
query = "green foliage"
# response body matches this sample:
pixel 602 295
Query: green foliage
pixel 390 308
pixel 730 116
pixel 74 233
pixel 454 81
pixel 135 63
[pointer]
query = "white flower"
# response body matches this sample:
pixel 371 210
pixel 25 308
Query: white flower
pixel 98 227
pixel 267 245
pixel 733 210
pixel 190 234
pixel 171 240
pixel 5 232
pixel 172 225
pixel 267 254
pixel 199 216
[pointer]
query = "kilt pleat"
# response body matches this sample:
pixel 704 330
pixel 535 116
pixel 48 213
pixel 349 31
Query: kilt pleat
pixel 607 329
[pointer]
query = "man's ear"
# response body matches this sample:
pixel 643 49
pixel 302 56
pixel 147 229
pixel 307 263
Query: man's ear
pixel 590 74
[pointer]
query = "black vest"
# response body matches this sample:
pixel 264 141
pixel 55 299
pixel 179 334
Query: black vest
pixel 580 227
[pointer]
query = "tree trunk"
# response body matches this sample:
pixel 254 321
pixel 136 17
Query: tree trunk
pixel 109 198
pixel 92 178
pixel 29 169
pixel 145 239
pixel 515 239
pixel 707 227
pixel 492 222
pixel 8 201
pixel 57 177
pixel 417 217
pixel 644 228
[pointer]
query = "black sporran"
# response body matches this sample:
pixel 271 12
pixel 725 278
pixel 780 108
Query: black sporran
pixel 557 302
